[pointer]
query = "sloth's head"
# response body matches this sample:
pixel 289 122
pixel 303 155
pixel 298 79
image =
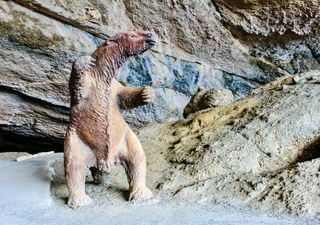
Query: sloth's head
pixel 135 42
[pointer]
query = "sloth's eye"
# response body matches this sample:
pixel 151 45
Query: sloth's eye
pixel 133 36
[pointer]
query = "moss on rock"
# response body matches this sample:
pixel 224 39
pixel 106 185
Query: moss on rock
pixel 33 37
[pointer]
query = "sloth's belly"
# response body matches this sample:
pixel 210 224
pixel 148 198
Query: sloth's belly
pixel 101 130
pixel 93 131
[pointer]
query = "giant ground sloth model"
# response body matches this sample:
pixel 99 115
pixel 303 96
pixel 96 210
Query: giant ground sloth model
pixel 97 135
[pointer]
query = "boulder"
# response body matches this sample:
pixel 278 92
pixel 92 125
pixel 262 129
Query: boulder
pixel 208 99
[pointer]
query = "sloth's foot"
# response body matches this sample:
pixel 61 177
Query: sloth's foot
pixel 140 193
pixel 75 201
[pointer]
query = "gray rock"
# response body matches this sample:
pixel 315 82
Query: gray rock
pixel 267 18
pixel 208 99
pixel 273 126
pixel 260 152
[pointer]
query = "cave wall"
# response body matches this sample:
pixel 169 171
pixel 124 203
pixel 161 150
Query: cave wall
pixel 238 45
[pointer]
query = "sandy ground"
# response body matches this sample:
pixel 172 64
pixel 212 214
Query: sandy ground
pixel 28 196
pixel 33 191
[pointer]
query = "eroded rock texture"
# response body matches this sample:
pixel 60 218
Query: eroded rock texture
pixel 237 45
pixel 260 152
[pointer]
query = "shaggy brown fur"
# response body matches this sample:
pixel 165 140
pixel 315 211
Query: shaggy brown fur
pixel 97 135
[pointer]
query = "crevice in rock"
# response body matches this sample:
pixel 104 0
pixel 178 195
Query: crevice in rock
pixel 265 61
pixel 25 134
pixel 310 152
pixel 54 105
pixel 216 6
pixel 179 189
pixel 254 81
pixel 315 56
pixel 11 140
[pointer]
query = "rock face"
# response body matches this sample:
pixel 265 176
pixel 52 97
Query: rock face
pixel 260 152
pixel 237 45
pixel 273 127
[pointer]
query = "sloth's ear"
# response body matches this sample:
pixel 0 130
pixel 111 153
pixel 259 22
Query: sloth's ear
pixel 109 42
pixel 112 40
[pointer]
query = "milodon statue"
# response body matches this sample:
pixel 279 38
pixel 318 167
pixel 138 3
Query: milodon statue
pixel 98 136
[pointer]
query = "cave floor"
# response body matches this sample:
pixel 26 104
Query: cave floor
pixel 28 196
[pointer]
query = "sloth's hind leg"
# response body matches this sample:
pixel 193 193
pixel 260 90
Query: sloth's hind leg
pixel 135 166
pixel 75 163
pixel 99 177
